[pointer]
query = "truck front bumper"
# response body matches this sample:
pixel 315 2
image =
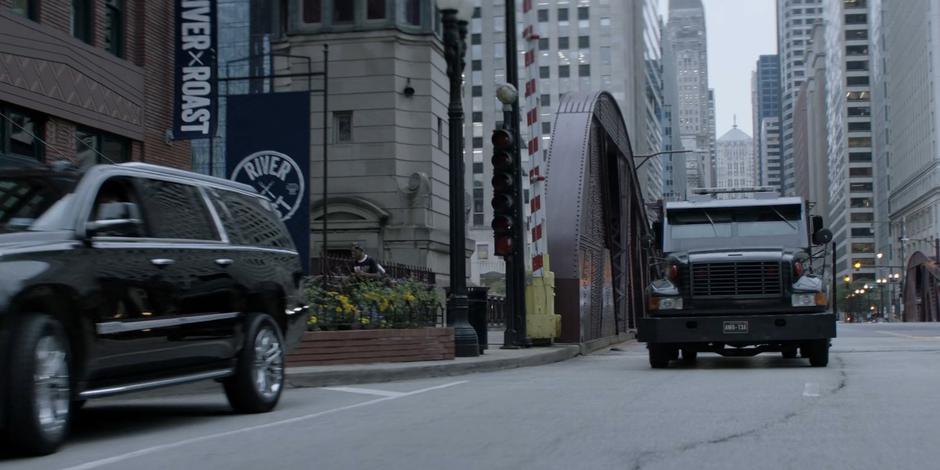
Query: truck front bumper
pixel 728 328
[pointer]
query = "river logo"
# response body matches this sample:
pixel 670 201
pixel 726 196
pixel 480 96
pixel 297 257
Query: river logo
pixel 276 176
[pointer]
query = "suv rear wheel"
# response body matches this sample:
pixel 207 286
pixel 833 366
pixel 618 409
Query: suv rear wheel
pixel 39 390
pixel 259 375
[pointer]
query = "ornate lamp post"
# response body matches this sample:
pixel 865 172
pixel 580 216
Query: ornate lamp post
pixel 454 15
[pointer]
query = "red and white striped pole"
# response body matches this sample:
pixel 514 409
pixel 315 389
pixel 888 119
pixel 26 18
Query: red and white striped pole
pixel 537 242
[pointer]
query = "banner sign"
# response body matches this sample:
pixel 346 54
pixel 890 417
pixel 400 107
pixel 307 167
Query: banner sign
pixel 267 146
pixel 196 97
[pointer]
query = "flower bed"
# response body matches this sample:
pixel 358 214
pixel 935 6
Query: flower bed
pixel 369 304
pixel 357 321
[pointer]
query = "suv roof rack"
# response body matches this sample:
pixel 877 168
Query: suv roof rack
pixel 187 174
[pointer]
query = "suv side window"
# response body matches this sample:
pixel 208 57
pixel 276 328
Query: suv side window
pixel 178 211
pixel 118 190
pixel 251 221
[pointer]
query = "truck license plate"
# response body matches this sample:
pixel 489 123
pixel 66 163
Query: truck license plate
pixel 735 327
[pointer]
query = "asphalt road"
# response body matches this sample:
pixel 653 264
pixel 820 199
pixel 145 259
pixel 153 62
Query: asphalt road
pixel 877 406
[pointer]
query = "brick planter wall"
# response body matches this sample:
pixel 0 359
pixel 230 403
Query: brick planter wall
pixel 319 348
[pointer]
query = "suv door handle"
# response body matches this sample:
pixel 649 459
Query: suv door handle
pixel 224 262
pixel 162 262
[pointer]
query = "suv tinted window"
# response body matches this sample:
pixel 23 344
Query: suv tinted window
pixel 23 200
pixel 251 220
pixel 178 211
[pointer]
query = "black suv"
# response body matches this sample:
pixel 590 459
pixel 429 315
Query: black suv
pixel 127 277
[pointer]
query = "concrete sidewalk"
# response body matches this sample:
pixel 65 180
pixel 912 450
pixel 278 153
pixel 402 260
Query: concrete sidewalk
pixel 493 359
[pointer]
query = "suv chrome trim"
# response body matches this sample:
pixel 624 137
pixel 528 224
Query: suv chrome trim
pixel 140 386
pixel 161 243
pixel 113 327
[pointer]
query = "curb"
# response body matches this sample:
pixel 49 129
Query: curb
pixel 304 377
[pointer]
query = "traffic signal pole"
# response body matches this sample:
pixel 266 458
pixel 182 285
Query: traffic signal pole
pixel 515 263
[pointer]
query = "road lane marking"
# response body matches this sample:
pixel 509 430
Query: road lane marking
pixel 902 335
pixel 811 389
pixel 185 442
pixel 365 391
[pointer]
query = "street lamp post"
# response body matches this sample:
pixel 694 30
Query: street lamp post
pixel 454 14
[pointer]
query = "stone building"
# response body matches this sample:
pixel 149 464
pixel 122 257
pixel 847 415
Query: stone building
pixel 387 127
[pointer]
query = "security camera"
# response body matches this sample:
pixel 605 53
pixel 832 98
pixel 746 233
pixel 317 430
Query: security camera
pixel 409 91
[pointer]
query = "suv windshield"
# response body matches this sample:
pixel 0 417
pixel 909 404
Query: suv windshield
pixel 25 201
pixel 726 227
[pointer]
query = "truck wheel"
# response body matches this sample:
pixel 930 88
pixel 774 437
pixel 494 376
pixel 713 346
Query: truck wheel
pixel 789 353
pixel 689 356
pixel 660 355
pixel 259 375
pixel 819 353
pixel 39 386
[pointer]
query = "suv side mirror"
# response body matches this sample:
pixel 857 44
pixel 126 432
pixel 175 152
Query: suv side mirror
pixel 822 236
pixel 116 219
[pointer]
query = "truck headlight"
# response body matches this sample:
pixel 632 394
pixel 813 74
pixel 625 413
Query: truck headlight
pixel 804 300
pixel 665 303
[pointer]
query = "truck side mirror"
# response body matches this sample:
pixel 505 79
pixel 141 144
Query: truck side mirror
pixel 822 236
pixel 817 223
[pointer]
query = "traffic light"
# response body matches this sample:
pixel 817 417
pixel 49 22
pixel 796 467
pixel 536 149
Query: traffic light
pixel 503 192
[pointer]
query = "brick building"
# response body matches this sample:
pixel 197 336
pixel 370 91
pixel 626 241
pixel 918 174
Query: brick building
pixel 88 74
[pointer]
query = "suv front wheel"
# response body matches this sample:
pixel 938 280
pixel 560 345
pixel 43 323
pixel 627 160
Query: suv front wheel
pixel 259 375
pixel 39 386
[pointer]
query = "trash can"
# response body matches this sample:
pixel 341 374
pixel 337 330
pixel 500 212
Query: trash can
pixel 476 313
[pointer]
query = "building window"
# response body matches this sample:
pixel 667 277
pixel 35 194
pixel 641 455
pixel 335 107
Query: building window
pixel 861 232
pixel 343 11
pixel 864 172
pixel 543 16
pixel 81 20
pixel 476 39
pixel 862 217
pixel 856 34
pixel 861 187
pixel 476 65
pixel 856 18
pixel 375 10
pixel 563 43
pixel 859 111
pixel 342 127
pixel 584 70
pixel 584 42
pixel 476 90
pixel 564 71
pixel 411 12
pixel 859 127
pixel 546 128
pixel 100 147
pixel 477 116
pixel 27 8
pixel 563 13
pixel 20 133
pixel 440 133
pixel 544 72
pixel 546 100
pixel 114 27
pixel 476 12
pixel 483 251
pixel 859 157
pixel 584 13
pixel 856 50
pixel 855 81
pixel 543 44
pixel 860 203
pixel 859 141
pixel 478 142
pixel 313 11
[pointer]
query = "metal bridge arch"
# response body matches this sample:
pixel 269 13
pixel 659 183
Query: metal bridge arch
pixel 595 220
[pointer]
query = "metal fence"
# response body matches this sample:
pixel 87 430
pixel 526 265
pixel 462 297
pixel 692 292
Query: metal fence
pixel 344 267
pixel 496 311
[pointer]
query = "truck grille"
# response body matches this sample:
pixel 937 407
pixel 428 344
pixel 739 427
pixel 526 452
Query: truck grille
pixel 753 279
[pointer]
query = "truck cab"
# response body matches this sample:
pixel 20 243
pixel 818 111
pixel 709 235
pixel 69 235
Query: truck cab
pixel 736 277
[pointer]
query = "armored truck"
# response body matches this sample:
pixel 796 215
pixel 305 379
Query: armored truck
pixel 736 277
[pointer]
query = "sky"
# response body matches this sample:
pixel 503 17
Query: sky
pixel 738 31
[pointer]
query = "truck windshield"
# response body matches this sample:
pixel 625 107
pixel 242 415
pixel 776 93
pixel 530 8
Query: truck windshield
pixel 731 227
pixel 25 201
